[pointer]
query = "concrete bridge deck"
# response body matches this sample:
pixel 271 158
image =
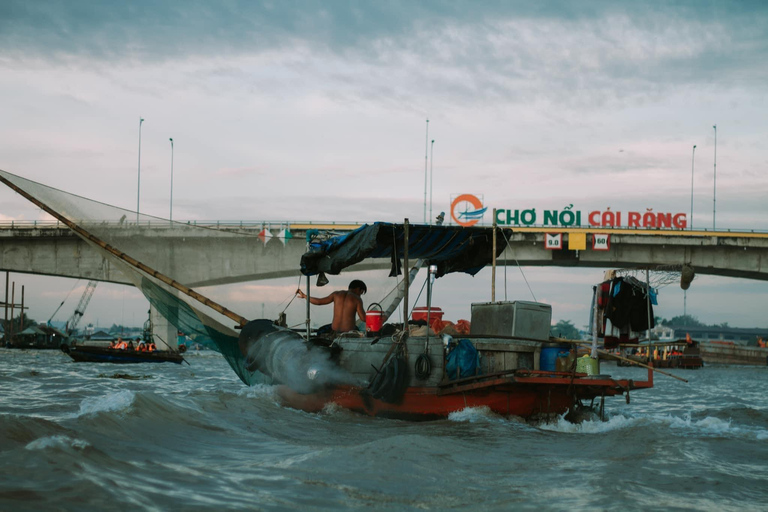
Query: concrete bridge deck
pixel 205 254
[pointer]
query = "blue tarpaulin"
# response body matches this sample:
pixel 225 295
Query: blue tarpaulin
pixel 451 248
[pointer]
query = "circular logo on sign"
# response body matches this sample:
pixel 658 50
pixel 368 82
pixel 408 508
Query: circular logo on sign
pixel 467 210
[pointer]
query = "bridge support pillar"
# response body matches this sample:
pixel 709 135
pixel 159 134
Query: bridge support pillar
pixel 163 331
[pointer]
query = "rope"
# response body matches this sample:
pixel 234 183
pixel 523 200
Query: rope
pixel 294 296
pixel 521 271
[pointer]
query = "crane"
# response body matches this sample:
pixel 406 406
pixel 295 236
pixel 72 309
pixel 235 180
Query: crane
pixel 80 309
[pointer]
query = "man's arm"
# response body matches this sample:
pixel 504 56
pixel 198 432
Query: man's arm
pixel 315 300
pixel 360 310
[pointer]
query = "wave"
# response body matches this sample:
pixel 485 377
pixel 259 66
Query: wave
pixel 19 430
pixel 482 414
pixel 111 402
pixel 707 426
pixel 61 442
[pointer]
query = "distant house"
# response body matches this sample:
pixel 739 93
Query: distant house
pixel 38 336
pixel 102 336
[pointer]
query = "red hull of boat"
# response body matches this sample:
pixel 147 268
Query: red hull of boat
pixel 527 397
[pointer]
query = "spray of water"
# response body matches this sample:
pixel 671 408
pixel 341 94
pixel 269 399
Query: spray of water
pixel 287 359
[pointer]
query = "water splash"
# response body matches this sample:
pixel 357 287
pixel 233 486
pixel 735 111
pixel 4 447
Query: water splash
pixel 117 401
pixel 57 442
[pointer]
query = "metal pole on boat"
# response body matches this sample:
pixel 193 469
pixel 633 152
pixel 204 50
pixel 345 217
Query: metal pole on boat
pixel 13 301
pixel 7 277
pixel 308 303
pixel 21 313
pixel 493 266
pixel 426 153
pixel 431 271
pixel 138 192
pixel 431 165
pixel 406 275
pixel 595 328
pixel 648 308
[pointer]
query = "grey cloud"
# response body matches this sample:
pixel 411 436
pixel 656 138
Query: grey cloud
pixel 409 55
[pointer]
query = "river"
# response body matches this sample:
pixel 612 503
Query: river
pixel 84 436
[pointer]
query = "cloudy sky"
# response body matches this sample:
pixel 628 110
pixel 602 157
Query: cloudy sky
pixel 310 110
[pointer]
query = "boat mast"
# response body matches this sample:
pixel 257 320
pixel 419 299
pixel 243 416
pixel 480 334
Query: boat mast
pixel 406 276
pixel 493 266
pixel 389 305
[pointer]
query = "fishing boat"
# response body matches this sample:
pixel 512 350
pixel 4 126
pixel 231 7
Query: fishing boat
pixel 93 354
pixel 402 375
pixel 684 354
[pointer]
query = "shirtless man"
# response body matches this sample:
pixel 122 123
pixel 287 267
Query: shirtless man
pixel 345 305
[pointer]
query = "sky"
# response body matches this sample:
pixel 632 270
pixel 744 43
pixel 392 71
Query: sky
pixel 316 111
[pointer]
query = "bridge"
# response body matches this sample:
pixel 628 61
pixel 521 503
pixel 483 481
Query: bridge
pixel 206 254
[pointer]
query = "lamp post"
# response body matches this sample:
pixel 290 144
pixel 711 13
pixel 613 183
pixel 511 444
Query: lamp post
pixel 426 152
pixel 171 216
pixel 431 164
pixel 693 154
pixel 138 192
pixel 714 193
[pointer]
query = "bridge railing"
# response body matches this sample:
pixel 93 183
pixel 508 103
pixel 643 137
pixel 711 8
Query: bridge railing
pixel 160 223
pixel 308 224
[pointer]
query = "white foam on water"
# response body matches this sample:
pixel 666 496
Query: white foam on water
pixel 707 425
pixel 332 408
pixel 474 415
pixel 617 422
pixel 718 427
pixel 296 460
pixel 258 391
pixel 117 401
pixel 57 442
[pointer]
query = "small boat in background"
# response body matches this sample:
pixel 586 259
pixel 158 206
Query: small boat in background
pixel 91 354
pixel 685 354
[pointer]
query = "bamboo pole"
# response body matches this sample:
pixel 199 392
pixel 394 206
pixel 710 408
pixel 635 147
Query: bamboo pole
pixel 600 351
pixel 241 320
pixel 586 345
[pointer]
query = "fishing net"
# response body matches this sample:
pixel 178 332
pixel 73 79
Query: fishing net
pixel 660 275
pixel 119 236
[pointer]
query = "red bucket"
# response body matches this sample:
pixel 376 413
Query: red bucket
pixel 373 318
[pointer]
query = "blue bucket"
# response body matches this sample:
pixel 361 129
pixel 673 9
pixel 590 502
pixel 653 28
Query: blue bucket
pixel 548 359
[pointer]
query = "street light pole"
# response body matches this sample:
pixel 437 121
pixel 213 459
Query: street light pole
pixel 714 193
pixel 138 192
pixel 431 164
pixel 426 152
pixel 171 216
pixel 693 155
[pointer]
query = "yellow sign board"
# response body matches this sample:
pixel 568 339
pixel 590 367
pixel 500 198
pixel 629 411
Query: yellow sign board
pixel 577 241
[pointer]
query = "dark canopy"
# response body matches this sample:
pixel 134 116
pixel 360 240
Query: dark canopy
pixel 451 248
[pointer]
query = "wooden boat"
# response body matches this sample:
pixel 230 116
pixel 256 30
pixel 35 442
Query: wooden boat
pixel 680 354
pixel 92 354
pixel 412 377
